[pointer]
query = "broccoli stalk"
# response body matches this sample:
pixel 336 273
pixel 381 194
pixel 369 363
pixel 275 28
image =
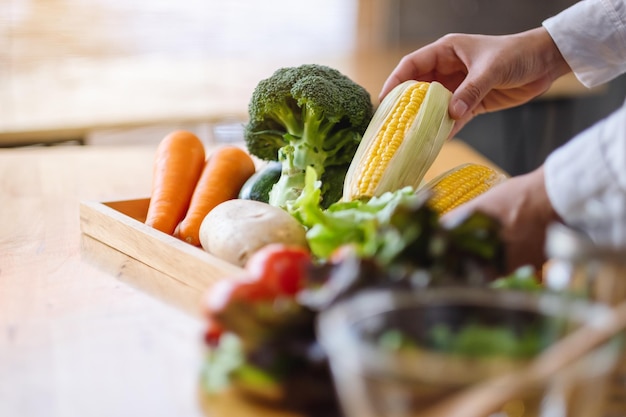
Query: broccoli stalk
pixel 306 116
pixel 291 182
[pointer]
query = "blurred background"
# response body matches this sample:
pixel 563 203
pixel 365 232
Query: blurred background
pixel 104 72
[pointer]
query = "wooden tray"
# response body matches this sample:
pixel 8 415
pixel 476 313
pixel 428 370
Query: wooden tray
pixel 120 225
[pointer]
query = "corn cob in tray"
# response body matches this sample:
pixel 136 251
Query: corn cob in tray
pixel 402 141
pixel 461 184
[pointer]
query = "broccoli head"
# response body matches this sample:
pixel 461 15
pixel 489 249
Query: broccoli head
pixel 311 115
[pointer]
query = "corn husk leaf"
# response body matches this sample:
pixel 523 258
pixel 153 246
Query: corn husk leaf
pixel 419 148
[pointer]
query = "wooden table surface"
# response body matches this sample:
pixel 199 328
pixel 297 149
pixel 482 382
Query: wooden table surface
pixel 85 330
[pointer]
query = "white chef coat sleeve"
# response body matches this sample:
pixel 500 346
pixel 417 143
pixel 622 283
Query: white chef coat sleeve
pixel 586 180
pixel 591 36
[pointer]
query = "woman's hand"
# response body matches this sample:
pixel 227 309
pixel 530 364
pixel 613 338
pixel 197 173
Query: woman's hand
pixel 486 73
pixel 522 206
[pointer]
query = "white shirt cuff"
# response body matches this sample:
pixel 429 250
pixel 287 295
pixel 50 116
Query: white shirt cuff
pixel 591 36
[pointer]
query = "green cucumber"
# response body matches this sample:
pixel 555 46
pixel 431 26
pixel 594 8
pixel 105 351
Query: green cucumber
pixel 258 186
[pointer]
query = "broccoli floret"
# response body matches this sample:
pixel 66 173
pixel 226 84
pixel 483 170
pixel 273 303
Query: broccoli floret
pixel 311 115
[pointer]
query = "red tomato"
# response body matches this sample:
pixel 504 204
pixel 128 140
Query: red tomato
pixel 212 333
pixel 279 268
pixel 274 271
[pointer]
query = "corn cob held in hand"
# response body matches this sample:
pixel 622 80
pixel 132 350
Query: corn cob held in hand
pixel 461 184
pixel 402 140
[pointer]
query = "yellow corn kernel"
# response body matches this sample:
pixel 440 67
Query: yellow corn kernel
pixel 389 138
pixel 402 140
pixel 460 185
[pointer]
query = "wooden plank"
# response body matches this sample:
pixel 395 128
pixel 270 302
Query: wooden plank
pixel 170 290
pixel 167 254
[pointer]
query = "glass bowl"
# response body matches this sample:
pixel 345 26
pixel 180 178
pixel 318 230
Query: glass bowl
pixel 396 353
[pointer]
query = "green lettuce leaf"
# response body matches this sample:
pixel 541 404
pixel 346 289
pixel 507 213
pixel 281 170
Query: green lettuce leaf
pixel 354 223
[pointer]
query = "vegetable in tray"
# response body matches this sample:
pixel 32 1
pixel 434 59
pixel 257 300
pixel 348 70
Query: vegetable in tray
pixel 402 140
pixel 223 175
pixel 237 228
pixel 187 185
pixel 311 115
pixel 177 167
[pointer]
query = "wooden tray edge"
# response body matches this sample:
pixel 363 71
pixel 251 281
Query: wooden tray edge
pixel 167 254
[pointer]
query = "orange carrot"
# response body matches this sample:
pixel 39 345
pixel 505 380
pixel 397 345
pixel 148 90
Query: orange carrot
pixel 177 167
pixel 224 173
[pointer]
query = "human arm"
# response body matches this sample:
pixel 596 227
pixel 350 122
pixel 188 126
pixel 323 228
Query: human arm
pixel 586 180
pixel 486 73
pixel 489 73
pixel 582 184
pixel 591 36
